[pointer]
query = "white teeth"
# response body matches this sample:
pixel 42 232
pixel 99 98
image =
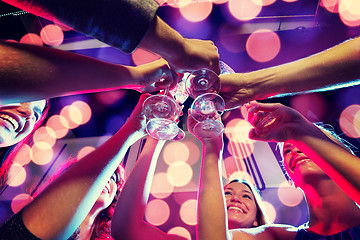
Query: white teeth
pixel 11 120
pixel 236 209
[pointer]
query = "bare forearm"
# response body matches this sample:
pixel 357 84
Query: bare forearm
pixel 63 205
pixel 333 68
pixel 211 224
pixel 30 72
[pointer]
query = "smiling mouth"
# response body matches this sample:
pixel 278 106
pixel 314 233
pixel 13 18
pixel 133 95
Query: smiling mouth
pixel 235 209
pixel 297 162
pixel 10 120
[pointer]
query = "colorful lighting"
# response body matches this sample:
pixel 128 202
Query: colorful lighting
pixel 20 201
pixel 16 175
pixel 263 45
pixel 188 212
pixel 289 196
pixel 31 38
pixel 179 174
pixel 349 121
pixel 157 212
pixel 52 35
pixel 175 152
pixel 196 11
pixel 161 188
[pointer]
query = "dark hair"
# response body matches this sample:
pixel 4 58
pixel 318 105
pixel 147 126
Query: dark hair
pixel 7 154
pixel 261 216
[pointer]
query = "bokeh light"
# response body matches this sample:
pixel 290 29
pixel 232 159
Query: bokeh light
pixel 141 56
pixel 232 165
pixel 161 188
pixel 175 152
pixel 57 123
pixel 313 106
pixel 16 175
pixel 231 39
pixel 52 35
pixel 290 1
pixel 84 151
pixel 188 212
pixel 219 1
pixel 197 10
pixel 110 97
pixel 349 121
pixel 349 11
pixel 31 38
pixel 80 112
pixel 20 201
pixel 330 5
pixel 194 152
pixel 44 138
pixel 41 156
pixel 289 196
pixel 263 45
pixel 179 174
pixel 267 2
pixel 245 10
pixel 178 3
pixel 270 211
pixel 23 155
pixel 180 231
pixel 66 114
pixel 157 212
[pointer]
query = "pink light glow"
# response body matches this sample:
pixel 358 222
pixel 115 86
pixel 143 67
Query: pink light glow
pixel 349 121
pixel 245 10
pixel 267 2
pixel 349 11
pixel 188 212
pixel 312 106
pixel 31 38
pixel 270 211
pixel 157 212
pixel 175 152
pixel 23 155
pixel 263 45
pixel 66 114
pixel 196 11
pixel 289 196
pixel 220 1
pixel 110 97
pixel 16 175
pixel 179 174
pixel 84 151
pixel 180 231
pixel 233 165
pixel 194 152
pixel 330 5
pixel 52 35
pixel 178 3
pixel 141 56
pixel 20 201
pixel 55 123
pixel 290 0
pixel 161 188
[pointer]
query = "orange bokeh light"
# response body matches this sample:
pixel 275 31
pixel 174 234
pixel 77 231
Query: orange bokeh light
pixel 23 155
pixel 270 211
pixel 194 152
pixel 263 45
pixel 175 152
pixel 31 38
pixel 219 1
pixel 188 212
pixel 157 212
pixel 80 112
pixel 84 151
pixel 349 121
pixel 16 175
pixel 179 174
pixel 178 3
pixel 41 156
pixel 180 231
pixel 267 2
pixel 141 56
pixel 289 196
pixel 66 115
pixel 330 5
pixel 244 10
pixel 196 11
pixel 55 122
pixel 349 11
pixel 44 138
pixel 20 201
pixel 52 35
pixel 161 188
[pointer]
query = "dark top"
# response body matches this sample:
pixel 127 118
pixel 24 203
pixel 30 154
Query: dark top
pixel 119 23
pixel 348 234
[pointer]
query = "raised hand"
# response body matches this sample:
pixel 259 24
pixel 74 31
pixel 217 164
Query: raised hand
pixel 274 122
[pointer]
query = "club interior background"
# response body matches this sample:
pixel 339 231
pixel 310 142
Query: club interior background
pixel 249 37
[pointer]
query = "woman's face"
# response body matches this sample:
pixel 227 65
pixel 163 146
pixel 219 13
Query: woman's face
pixel 17 121
pixel 108 193
pixel 297 164
pixel 241 206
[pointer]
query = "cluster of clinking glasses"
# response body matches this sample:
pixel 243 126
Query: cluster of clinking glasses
pixel 163 110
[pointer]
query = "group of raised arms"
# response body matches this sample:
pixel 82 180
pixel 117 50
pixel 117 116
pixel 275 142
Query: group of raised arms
pixel 91 199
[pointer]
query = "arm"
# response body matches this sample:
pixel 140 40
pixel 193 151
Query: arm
pixel 211 224
pixel 333 68
pixel 125 24
pixel 286 124
pixel 30 72
pixel 57 211
pixel 127 222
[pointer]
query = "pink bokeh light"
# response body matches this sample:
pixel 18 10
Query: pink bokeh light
pixel 196 11
pixel 157 212
pixel 349 121
pixel 263 45
pixel 52 35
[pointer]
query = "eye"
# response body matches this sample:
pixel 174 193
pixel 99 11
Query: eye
pixel 247 196
pixel 227 193
pixel 114 177
pixel 286 151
